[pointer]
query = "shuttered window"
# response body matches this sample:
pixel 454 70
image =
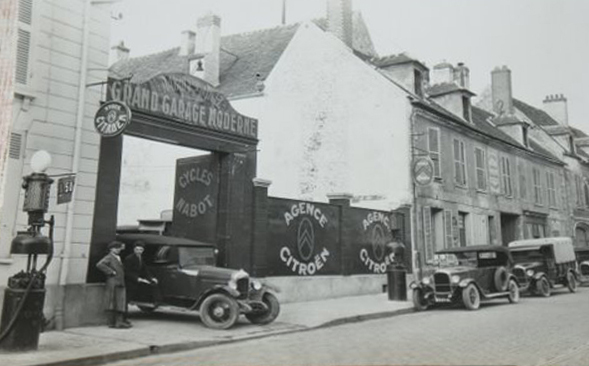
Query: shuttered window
pixel 448 233
pixel 15 146
pixel 433 146
pixel 481 168
pixel 23 46
pixel 427 234
pixel 459 163
pixel 537 187
pixel 551 189
pixel 506 176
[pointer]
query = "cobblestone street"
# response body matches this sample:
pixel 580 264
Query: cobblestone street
pixel 537 331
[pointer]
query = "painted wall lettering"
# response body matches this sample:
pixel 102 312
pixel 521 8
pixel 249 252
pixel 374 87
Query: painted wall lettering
pixel 376 227
pixel 305 208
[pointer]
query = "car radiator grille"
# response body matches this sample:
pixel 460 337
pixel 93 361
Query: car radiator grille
pixel 585 269
pixel 520 274
pixel 243 285
pixel 442 282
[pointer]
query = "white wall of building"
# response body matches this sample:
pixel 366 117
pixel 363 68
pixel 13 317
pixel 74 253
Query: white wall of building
pixel 45 116
pixel 330 123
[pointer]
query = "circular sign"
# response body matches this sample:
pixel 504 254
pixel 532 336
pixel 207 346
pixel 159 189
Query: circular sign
pixel 423 171
pixel 112 118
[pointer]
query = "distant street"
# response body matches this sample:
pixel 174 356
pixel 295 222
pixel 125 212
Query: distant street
pixel 537 331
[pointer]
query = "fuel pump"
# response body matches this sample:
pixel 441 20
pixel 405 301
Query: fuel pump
pixel 22 313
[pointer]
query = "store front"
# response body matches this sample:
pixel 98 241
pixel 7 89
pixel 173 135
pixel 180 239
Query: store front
pixel 213 190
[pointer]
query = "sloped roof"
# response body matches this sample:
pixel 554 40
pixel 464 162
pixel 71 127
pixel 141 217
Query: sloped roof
pixel 245 57
pixel 398 59
pixel 538 116
pixel 445 88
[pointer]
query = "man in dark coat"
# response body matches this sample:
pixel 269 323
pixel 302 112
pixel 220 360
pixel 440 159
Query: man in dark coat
pixel 141 284
pixel 115 294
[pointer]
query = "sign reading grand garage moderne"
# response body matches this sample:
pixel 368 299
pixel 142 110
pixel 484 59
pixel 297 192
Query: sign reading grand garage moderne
pixel 185 99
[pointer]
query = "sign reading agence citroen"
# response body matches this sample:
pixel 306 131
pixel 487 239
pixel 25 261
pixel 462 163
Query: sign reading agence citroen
pixel 185 99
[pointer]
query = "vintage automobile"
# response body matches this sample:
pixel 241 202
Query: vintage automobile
pixel 582 255
pixel 187 277
pixel 543 263
pixel 467 275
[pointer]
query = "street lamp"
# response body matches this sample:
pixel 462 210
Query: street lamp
pixel 24 297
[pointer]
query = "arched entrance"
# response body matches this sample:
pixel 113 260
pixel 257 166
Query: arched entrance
pixel 582 235
pixel 183 110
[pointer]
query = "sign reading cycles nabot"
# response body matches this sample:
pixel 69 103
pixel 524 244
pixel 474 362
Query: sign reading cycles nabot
pixel 112 118
pixel 186 99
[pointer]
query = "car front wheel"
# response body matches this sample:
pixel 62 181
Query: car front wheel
pixel 269 315
pixel 513 289
pixel 571 282
pixel 543 287
pixel 219 311
pixel 471 297
pixel 419 301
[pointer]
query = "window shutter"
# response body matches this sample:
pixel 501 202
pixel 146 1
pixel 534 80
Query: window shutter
pixel 448 233
pixel 23 47
pixel 15 145
pixel 427 233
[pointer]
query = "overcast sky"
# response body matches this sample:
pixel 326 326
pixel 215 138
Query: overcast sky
pixel 545 43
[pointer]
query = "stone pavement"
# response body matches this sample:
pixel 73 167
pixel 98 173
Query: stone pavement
pixel 171 330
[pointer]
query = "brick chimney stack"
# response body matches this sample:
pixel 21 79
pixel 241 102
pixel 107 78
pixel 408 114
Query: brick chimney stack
pixel 339 20
pixel 501 91
pixel 556 106
pixel 187 44
pixel 208 43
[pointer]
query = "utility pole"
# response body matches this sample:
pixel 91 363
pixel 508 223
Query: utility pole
pixel 283 12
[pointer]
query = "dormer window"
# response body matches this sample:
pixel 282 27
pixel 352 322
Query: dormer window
pixel 525 136
pixel 572 145
pixel 466 107
pixel 418 82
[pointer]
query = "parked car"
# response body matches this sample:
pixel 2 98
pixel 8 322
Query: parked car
pixel 187 277
pixel 467 275
pixel 582 255
pixel 541 264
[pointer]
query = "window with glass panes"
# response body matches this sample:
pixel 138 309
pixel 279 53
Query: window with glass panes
pixel 433 146
pixel 459 163
pixel 481 168
pixel 506 176
pixel 537 186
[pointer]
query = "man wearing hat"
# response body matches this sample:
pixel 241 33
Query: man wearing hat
pixel 137 276
pixel 115 296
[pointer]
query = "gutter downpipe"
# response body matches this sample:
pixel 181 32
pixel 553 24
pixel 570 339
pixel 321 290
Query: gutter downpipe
pixel 64 256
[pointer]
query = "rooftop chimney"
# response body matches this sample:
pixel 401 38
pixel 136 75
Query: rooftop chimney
pixel 339 20
pixel 556 106
pixel 121 52
pixel 208 43
pixel 501 91
pixel 187 43
pixel 461 75
pixel 443 73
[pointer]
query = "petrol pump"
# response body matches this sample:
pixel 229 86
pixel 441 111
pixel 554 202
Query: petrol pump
pixel 22 313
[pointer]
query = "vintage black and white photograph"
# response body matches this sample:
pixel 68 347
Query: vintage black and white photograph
pixel 294 182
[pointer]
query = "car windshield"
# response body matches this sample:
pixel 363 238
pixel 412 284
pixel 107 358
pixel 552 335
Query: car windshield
pixel 453 260
pixel 192 256
pixel 527 255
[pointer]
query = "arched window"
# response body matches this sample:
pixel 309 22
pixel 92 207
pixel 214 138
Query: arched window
pixel 582 236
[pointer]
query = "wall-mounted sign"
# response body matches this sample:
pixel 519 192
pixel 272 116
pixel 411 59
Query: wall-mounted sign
pixel 195 198
pixel 112 118
pixel 377 233
pixel 423 171
pixel 65 189
pixel 185 99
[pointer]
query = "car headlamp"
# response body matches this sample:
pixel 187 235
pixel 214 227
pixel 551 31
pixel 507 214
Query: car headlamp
pixel 257 285
pixel 455 279
pixel 426 280
pixel 530 272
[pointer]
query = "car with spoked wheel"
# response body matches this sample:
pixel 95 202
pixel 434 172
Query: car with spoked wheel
pixel 545 263
pixel 187 277
pixel 582 255
pixel 467 275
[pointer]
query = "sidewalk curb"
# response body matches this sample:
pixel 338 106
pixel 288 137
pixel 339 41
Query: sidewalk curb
pixel 186 346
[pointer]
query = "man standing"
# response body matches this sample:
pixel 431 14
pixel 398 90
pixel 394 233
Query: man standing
pixel 136 274
pixel 115 297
